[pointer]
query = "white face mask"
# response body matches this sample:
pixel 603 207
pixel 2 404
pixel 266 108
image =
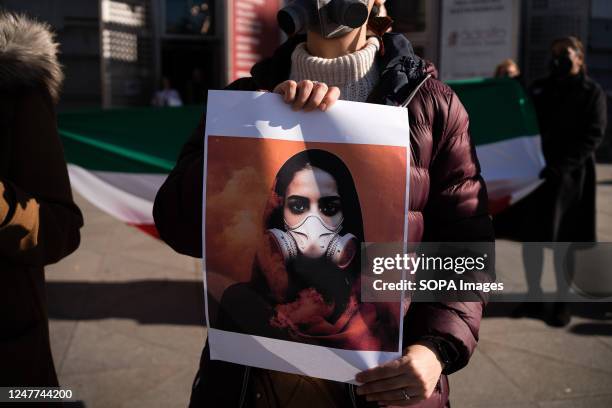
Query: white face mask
pixel 313 238
pixel 331 18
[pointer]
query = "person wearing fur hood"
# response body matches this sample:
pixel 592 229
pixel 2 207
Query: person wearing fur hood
pixel 39 221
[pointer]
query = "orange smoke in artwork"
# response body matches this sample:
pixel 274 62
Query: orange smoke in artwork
pixel 260 289
pixel 234 223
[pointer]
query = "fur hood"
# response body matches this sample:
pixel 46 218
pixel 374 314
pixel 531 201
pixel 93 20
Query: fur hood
pixel 28 55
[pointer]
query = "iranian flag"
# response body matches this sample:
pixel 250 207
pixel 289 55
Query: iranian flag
pixel 118 159
pixel 504 127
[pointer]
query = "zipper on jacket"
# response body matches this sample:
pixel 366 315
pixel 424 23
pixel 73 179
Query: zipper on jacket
pixel 245 386
pixel 414 93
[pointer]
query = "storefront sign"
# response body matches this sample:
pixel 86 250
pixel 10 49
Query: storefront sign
pixel 477 35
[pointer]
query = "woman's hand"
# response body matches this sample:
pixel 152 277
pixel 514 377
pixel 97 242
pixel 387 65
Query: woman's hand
pixel 415 376
pixel 308 95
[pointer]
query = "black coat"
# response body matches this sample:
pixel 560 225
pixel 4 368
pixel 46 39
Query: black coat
pixel 39 222
pixel 573 116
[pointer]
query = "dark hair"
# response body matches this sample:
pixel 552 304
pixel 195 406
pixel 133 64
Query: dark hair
pixel 332 164
pixel 575 44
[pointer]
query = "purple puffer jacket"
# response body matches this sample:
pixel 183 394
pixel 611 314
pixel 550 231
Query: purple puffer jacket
pixel 448 202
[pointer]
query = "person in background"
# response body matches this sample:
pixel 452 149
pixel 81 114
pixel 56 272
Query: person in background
pixel 508 69
pixel 448 203
pixel 572 115
pixel 168 96
pixel 39 221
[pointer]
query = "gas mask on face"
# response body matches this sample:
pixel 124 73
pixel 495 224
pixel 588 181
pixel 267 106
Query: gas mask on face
pixel 314 239
pixel 331 18
pixel 561 66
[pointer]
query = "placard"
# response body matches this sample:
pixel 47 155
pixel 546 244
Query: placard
pixel 289 199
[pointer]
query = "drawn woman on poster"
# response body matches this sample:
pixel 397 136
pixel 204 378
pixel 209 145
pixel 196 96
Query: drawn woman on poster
pixel 305 283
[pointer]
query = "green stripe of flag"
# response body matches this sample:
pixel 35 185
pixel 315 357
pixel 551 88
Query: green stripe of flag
pixel 93 153
pixel 136 140
pixel 499 109
pixel 148 140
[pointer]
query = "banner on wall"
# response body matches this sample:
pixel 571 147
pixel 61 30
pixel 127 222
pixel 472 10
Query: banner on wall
pixel 289 197
pixel 476 36
pixel 252 34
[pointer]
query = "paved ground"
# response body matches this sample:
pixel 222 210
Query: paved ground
pixel 126 329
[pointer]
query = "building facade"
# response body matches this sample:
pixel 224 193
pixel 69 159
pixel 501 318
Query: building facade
pixel 116 52
pixel 538 23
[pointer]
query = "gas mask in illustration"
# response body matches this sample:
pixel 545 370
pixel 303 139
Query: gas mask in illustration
pixel 331 18
pixel 314 239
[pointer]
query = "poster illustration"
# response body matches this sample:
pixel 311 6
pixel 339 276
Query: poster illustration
pixel 289 199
